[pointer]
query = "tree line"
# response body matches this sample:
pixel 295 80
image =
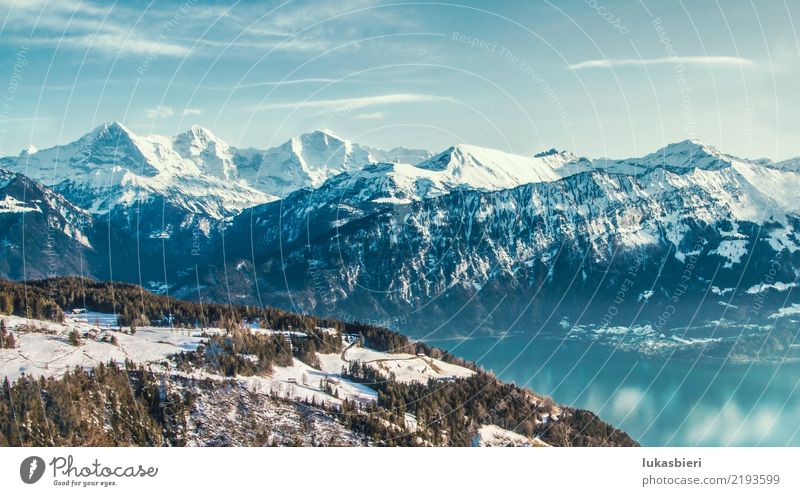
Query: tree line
pixel 450 412
pixel 111 405
pixel 47 299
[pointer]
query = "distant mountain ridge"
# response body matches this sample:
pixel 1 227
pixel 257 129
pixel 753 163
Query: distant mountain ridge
pixel 195 169
pixel 545 238
pixel 559 247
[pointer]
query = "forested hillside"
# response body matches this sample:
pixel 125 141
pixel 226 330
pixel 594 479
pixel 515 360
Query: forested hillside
pixel 339 383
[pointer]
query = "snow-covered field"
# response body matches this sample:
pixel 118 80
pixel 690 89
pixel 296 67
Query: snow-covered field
pixel 405 367
pixel 494 436
pixel 48 352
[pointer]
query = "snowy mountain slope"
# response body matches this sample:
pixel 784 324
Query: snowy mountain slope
pixel 43 349
pixel 459 167
pixel 403 366
pixel 487 169
pixel 351 195
pixel 195 170
pixel 51 355
pixel 493 436
pixel 388 237
pixel 372 244
pixel 40 230
pixel 678 157
pixel 112 167
pixel 605 208
pixel 224 412
pixel 310 159
pixel 158 202
pixel 290 404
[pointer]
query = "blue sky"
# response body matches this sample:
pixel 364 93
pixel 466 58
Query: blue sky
pixel 598 77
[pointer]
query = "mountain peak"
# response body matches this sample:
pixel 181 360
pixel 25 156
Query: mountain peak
pixel 114 126
pixel 688 154
pixel 489 169
pixel 29 150
pixel 199 130
pixel 198 136
pixel 114 130
pixel 328 132
pixel 321 138
pixel 547 153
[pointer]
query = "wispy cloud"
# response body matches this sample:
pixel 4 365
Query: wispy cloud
pixel 687 60
pixel 83 25
pixel 370 116
pixel 27 119
pixel 356 103
pixel 192 111
pixel 171 29
pixel 301 16
pixel 267 84
pixel 161 112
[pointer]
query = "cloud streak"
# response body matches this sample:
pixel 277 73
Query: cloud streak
pixel 370 116
pixel 267 84
pixel 339 104
pixel 722 61
pixel 162 112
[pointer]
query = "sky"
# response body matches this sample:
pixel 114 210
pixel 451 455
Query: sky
pixel 601 78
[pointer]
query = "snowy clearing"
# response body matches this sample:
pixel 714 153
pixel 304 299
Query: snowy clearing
pixel 405 367
pixel 494 436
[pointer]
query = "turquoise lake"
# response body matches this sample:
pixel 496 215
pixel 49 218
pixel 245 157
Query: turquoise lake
pixel 659 400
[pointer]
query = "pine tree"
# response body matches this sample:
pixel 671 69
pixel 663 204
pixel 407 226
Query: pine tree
pixel 7 305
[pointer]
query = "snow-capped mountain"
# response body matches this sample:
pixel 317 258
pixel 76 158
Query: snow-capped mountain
pixel 41 232
pixel 351 195
pixel 310 159
pixel 550 236
pixel 158 203
pixel 461 167
pixel 111 166
pixel 486 169
pixel 561 245
pixel 194 170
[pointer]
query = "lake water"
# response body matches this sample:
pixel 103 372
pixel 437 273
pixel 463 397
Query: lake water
pixel 659 399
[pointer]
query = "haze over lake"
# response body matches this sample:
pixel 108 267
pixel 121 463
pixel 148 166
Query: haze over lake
pixel 658 400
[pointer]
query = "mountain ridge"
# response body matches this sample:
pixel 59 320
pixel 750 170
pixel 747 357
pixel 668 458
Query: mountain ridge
pixel 409 241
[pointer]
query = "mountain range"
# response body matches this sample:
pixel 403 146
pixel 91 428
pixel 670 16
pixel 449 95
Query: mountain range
pixel 468 239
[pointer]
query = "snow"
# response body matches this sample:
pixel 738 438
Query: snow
pixel 49 353
pixel 310 159
pixel 488 169
pixel 645 295
pixel 302 382
pixel 100 319
pixel 39 353
pixel 112 166
pixel 10 204
pixel 681 156
pixel 631 203
pixel 490 435
pixel 794 309
pixel 778 286
pixel 733 250
pixel 405 367
pixel 461 166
